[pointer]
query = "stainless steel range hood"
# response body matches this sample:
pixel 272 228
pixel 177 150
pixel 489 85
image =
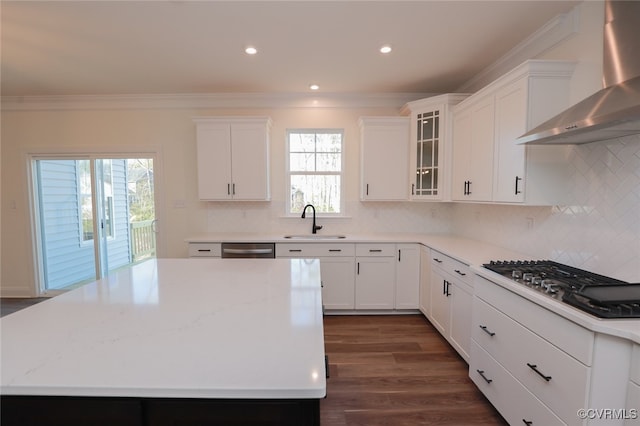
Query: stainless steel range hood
pixel 615 110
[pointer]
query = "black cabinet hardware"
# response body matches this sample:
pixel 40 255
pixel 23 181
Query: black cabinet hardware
pixel 413 189
pixel 481 373
pixel 518 179
pixel 335 250
pixel 399 251
pixel 484 328
pixel 204 250
pixel 228 189
pixel 375 250
pixel 535 368
pixel 295 250
pixel 367 189
pixel 437 260
pixel 358 269
pixel 527 422
pixel 460 273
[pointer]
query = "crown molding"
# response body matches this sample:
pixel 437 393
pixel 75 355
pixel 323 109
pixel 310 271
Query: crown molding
pixel 553 32
pixel 209 101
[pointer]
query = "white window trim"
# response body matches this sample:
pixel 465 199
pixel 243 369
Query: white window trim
pixel 287 207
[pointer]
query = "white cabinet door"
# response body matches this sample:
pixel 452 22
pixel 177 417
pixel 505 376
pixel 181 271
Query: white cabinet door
pixel 338 282
pixel 214 165
pixel 511 123
pixel 461 300
pixel 440 306
pixel 384 158
pixel 233 158
pixel 407 276
pixel 375 279
pixel 473 134
pixel 425 281
pixel 250 161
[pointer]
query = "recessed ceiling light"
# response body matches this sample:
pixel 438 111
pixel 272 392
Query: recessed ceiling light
pixel 251 50
pixel 385 49
pixel 314 87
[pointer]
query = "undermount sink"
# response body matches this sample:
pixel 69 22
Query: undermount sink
pixel 315 237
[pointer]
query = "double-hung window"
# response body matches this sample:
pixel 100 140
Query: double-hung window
pixel 315 167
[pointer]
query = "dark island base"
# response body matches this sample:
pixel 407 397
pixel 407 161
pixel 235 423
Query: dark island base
pixel 94 411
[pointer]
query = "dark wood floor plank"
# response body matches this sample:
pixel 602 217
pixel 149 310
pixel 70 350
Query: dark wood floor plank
pixel 396 371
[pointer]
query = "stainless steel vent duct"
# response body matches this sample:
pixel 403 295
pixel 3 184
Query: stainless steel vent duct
pixel 615 110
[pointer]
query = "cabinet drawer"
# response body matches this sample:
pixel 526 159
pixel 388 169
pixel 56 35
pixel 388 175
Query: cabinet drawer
pixel 314 250
pixel 375 250
pixel 557 379
pixel 566 335
pixel 455 268
pixel 204 250
pixel 516 404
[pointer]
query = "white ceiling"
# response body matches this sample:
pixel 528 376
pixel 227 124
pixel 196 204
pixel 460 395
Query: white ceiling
pixel 177 47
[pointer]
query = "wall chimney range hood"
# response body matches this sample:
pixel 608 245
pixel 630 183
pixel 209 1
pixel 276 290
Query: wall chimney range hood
pixel 615 110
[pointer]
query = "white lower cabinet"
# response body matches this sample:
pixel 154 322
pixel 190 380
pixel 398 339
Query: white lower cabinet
pixel 363 276
pixel 451 300
pixel 375 276
pixel 407 276
pixel 205 250
pixel 633 389
pixel 514 402
pixel 425 281
pixel 337 265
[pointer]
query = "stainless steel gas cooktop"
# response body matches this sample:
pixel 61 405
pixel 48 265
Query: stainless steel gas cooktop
pixel 601 296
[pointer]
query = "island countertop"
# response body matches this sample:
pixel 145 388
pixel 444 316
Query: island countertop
pixel 175 328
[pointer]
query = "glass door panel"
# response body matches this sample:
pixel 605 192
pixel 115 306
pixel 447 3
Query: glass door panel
pixel 94 215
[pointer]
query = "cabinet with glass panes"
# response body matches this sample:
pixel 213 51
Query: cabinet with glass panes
pixel 430 147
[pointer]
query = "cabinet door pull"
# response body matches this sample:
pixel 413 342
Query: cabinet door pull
pixel 367 189
pixel 295 250
pixel 335 250
pixel 413 189
pixel 447 289
pixel 459 273
pixel 437 260
pixel 444 285
pixel 234 189
pixel 527 422
pixel 484 328
pixel 535 368
pixel 518 179
pixel 358 268
pixel 399 251
pixel 228 189
pixel 468 187
pixel 481 373
pixel 204 250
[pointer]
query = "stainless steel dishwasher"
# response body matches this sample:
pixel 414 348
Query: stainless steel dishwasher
pixel 249 250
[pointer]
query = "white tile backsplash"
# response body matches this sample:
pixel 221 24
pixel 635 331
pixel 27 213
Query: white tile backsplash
pixel 599 227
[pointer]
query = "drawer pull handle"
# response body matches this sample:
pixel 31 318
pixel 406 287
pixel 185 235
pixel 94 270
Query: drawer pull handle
pixel 460 273
pixel 535 368
pixel 375 250
pixel 295 250
pixel 437 260
pixel 481 373
pixel 484 328
pixel 335 250
pixel 204 250
pixel 527 422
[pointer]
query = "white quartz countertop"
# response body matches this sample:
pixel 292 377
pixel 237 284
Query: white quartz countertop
pixel 471 252
pixel 184 328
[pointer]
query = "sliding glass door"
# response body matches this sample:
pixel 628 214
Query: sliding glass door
pixel 93 215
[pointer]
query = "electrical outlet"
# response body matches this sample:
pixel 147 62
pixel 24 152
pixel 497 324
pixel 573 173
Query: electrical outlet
pixel 530 222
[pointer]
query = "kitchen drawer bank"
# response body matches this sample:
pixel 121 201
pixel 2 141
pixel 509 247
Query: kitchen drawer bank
pixel 561 371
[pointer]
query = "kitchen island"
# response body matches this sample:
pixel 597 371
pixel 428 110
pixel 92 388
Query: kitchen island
pixel 195 341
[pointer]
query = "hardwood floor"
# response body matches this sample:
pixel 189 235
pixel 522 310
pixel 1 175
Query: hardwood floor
pixel 9 305
pixel 394 370
pixel 397 370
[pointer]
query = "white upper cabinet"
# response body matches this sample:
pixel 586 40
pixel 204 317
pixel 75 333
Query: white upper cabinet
pixel 233 158
pixel 489 166
pixel 473 151
pixel 430 147
pixel 384 151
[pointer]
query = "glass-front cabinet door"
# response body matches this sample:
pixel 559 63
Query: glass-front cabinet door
pixel 427 145
pixel 430 162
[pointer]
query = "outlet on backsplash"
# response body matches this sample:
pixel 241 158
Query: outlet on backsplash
pixel 530 222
